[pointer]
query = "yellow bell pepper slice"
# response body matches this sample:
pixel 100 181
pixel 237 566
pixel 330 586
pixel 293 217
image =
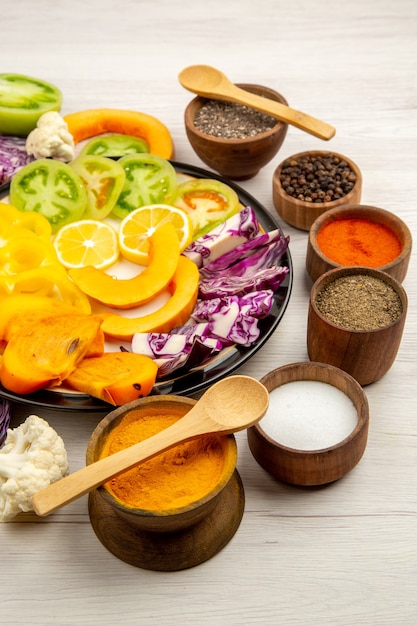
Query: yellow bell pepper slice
pixel 51 281
pixel 24 252
pixel 30 221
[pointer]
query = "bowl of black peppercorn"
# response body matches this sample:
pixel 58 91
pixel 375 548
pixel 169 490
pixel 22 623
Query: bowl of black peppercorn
pixel 307 184
pixel 233 139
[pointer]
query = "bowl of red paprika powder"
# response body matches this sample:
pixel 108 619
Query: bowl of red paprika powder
pixel 358 235
pixel 233 139
pixel 307 184
pixel 174 510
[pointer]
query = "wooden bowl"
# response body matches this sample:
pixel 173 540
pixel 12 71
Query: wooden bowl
pixel 302 214
pixel 367 355
pixel 174 538
pixel 237 159
pixel 317 263
pixel 322 465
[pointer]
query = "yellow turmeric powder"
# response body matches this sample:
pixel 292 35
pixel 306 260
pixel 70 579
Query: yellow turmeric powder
pixel 175 478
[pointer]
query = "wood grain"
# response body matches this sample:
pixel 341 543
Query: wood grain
pixel 339 555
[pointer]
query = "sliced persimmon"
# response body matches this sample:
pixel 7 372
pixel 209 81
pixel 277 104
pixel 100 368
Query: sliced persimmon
pixel 115 377
pixel 44 355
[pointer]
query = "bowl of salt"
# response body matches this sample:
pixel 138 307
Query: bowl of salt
pixel 316 428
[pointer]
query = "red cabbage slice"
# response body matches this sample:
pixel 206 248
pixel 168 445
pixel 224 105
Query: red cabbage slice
pixel 13 156
pixel 235 230
pixel 273 241
pixel 220 286
pixel 5 417
pixel 233 319
pixel 185 345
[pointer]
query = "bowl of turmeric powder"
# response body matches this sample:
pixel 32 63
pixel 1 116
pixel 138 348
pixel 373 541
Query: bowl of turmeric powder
pixel 177 508
pixel 307 184
pixel 354 235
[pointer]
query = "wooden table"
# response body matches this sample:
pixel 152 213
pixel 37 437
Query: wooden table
pixel 340 555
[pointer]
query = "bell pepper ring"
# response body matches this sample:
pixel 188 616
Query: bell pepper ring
pixel 24 252
pixel 91 122
pixel 51 281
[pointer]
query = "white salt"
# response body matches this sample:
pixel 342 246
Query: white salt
pixel 309 415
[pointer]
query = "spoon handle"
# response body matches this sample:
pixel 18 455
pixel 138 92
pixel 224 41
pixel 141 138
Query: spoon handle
pixel 281 111
pixel 91 476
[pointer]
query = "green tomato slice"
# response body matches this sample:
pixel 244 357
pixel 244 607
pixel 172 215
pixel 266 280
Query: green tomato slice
pixel 115 145
pixel 50 188
pixel 23 100
pixel 208 203
pixel 103 179
pixel 150 179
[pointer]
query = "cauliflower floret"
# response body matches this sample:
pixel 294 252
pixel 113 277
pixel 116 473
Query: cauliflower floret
pixel 33 457
pixel 51 138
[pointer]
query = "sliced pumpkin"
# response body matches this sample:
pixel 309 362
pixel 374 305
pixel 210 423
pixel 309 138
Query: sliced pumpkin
pixel 164 254
pixel 92 122
pixel 115 377
pixel 45 354
pixel 176 312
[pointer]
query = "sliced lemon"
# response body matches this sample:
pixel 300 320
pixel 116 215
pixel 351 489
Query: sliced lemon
pixel 87 242
pixel 140 224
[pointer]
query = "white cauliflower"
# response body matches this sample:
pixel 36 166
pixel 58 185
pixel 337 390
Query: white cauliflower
pixel 51 138
pixel 33 457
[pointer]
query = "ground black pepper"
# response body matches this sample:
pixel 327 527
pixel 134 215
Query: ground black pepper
pixel 229 120
pixel 317 178
pixel 359 302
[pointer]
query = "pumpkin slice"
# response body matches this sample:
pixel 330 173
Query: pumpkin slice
pixel 92 122
pixel 184 290
pixel 115 377
pixel 164 253
pixel 45 354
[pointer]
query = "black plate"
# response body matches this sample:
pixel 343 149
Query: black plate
pixel 198 379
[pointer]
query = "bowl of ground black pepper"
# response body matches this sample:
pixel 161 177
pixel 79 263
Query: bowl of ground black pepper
pixel 356 319
pixel 359 235
pixel 233 139
pixel 307 184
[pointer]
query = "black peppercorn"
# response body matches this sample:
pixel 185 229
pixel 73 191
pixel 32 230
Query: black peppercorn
pixel 318 178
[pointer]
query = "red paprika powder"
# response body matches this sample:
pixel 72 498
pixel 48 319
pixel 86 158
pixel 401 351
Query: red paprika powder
pixel 358 241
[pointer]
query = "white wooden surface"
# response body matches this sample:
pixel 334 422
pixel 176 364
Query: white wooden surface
pixel 341 555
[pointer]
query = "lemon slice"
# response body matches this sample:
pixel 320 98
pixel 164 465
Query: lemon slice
pixel 140 224
pixel 87 242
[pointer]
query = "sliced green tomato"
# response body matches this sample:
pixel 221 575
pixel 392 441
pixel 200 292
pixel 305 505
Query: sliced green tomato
pixel 103 179
pixel 150 179
pixel 208 203
pixel 23 100
pixel 115 145
pixel 51 188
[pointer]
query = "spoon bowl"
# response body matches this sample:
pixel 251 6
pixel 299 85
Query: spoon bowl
pixel 210 82
pixel 232 404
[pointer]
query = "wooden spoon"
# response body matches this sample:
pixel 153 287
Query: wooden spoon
pixel 232 404
pixel 209 82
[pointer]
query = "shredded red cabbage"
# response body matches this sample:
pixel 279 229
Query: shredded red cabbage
pixel 5 417
pixel 185 345
pixel 235 230
pixel 13 156
pixel 252 266
pixel 235 291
